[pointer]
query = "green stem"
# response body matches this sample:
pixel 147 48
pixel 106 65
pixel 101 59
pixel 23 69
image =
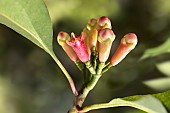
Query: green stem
pixel 107 64
pixel 94 57
pixel 100 67
pixel 106 68
pixel 79 100
pixel 80 65
pixel 87 76
pixel 90 67
pixel 92 77
pixel 70 80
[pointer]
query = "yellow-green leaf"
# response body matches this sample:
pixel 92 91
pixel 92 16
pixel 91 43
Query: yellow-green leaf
pixel 164 67
pixel 29 18
pixel 159 84
pixel 155 103
pixel 164 48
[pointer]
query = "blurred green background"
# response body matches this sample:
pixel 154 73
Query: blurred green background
pixel 31 82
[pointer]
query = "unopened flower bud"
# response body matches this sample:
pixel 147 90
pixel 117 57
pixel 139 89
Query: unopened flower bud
pixel 91 23
pixel 86 34
pixel 92 38
pixel 62 38
pixel 128 43
pixel 78 45
pixel 105 39
pixel 86 31
pixel 104 22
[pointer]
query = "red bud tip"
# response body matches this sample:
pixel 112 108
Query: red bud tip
pixel 104 22
pixel 130 39
pixel 62 37
pixel 92 22
pixel 105 34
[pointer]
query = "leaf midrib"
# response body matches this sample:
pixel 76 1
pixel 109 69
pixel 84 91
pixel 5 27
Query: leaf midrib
pixel 32 34
pixel 37 38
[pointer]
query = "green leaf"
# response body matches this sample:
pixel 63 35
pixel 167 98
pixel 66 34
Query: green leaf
pixel 164 98
pixel 159 84
pixel 164 67
pixel 30 18
pixel 164 48
pixel 155 103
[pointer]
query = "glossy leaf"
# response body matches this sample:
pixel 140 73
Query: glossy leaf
pixel 164 48
pixel 30 18
pixel 156 103
pixel 164 67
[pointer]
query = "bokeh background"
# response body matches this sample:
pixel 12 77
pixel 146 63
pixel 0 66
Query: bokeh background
pixel 31 82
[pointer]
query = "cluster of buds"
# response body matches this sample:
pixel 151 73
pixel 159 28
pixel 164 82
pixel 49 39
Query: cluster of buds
pixel 92 48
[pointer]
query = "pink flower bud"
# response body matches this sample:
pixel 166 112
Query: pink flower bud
pixel 62 38
pixel 128 43
pixel 104 22
pixel 105 39
pixel 78 45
